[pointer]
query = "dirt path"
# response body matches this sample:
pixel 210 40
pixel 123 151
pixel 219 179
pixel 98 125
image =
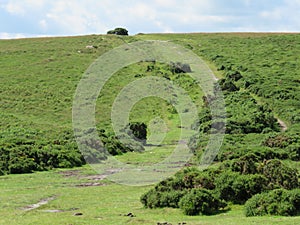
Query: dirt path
pixel 39 204
pixel 282 124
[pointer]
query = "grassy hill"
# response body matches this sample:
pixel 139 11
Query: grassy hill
pixel 259 75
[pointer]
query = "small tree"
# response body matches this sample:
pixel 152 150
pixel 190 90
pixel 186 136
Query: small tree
pixel 118 31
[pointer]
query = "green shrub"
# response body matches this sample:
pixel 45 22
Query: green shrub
pixel 168 192
pixel 245 164
pixel 280 140
pixel 231 186
pixel 160 199
pixel 227 85
pixel 279 202
pixel 289 142
pixel 294 151
pixel 243 114
pixel 20 162
pixel 200 201
pixel 233 75
pixel 138 131
pixel 24 151
pixel 194 178
pixel 171 199
pixel 279 175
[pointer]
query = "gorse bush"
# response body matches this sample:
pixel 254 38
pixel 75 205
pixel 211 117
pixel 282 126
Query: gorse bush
pixel 205 192
pixel 246 164
pixel 279 202
pixel 232 186
pixel 168 192
pixel 21 151
pixel 228 85
pixel 25 150
pixel 243 115
pixel 289 142
pixel 200 201
pixel 235 155
pixel 279 175
pixel 160 199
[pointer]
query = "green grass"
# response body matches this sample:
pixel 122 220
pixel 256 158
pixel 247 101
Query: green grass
pixel 105 204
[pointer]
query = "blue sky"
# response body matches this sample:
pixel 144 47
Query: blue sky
pixel 29 18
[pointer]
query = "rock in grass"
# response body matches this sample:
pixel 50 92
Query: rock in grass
pixel 130 214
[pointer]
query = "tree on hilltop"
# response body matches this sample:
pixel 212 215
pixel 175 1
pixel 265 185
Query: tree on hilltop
pixel 118 31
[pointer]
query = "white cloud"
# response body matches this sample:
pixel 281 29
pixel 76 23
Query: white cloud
pixel 43 24
pixel 273 14
pixel 4 35
pixel 15 9
pixel 23 7
pixel 141 10
pixel 196 19
pixel 164 3
pixel 75 18
pixel 284 17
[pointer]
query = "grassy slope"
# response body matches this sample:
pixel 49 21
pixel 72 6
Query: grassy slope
pixel 38 80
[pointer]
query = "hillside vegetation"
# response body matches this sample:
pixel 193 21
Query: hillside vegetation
pixel 259 75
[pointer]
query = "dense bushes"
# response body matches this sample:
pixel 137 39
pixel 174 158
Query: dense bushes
pixel 26 150
pixel 243 114
pixel 276 202
pixel 157 199
pixel 189 190
pixel 228 85
pixel 232 186
pixel 23 151
pixel 200 201
pixel 279 175
pixel 289 142
pixel 205 192
pixel 96 149
pixel 275 172
pixel 168 192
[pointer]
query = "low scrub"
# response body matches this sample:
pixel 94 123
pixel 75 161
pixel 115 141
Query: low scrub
pixel 199 201
pixel 279 202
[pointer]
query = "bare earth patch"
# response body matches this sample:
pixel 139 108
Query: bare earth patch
pixel 93 180
pixel 89 184
pixel 70 173
pixel 39 204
